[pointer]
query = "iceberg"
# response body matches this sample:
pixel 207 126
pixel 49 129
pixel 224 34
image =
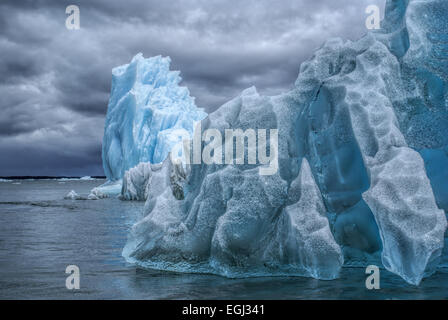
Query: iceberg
pixel 148 113
pixel 362 158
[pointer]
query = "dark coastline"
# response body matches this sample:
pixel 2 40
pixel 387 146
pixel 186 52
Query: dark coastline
pixel 47 177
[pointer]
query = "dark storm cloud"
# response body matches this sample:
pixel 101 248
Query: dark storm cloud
pixel 55 83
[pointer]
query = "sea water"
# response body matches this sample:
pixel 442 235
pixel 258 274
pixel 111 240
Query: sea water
pixel 41 234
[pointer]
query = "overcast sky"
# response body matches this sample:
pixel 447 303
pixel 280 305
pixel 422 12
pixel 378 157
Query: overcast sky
pixel 55 83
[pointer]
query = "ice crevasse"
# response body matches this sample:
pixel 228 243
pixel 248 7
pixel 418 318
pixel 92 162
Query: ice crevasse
pixel 363 162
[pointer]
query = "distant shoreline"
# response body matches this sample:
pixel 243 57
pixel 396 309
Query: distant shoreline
pixel 46 177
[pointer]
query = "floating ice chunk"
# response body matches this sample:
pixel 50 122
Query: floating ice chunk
pixel 87 178
pixel 91 196
pixel 96 194
pixel 72 195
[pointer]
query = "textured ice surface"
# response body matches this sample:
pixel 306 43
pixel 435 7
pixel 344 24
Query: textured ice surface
pixel 362 140
pixel 147 180
pixel 136 182
pixel 235 222
pixel 109 188
pixel 359 154
pixel 148 111
pixel 310 240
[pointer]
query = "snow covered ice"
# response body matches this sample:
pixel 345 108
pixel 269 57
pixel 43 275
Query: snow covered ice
pixel 362 161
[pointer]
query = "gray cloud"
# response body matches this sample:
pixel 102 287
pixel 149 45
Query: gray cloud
pixel 55 82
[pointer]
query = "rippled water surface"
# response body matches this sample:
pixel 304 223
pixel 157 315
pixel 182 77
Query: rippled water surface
pixel 41 234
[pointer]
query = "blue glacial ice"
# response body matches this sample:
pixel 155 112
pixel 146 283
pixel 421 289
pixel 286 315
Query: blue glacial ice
pixel 363 165
pixel 148 112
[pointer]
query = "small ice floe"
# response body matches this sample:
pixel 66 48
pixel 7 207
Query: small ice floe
pixel 72 195
pixel 87 178
pixel 94 195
